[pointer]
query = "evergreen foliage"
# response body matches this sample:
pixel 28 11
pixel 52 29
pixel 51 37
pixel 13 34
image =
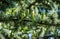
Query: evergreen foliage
pixel 29 19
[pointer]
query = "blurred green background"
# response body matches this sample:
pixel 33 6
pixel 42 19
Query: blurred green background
pixel 29 19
